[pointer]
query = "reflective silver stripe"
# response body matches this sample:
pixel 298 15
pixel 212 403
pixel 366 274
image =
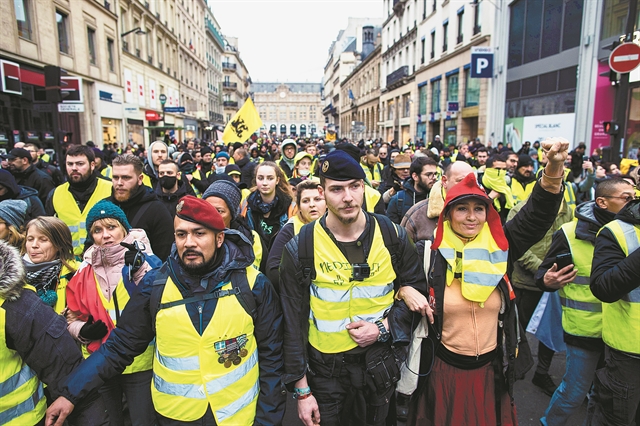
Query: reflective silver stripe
pixel 447 253
pixel 481 278
pixel 112 315
pixel 18 379
pixel 581 306
pixel 73 228
pixel 482 254
pixel 372 317
pixel 76 243
pixel 330 326
pixel 187 391
pixel 630 236
pixel 83 225
pixel 228 379
pixel 24 407
pixel 178 364
pixel 358 292
pixel 238 404
pixel 581 280
pixel 632 296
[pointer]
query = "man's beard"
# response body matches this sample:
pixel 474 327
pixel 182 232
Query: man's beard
pixel 423 187
pixel 123 198
pixel 342 219
pixel 198 269
pixel 79 179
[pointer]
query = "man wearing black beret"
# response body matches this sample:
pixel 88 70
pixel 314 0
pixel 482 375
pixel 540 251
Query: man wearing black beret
pixel 217 327
pixel 338 279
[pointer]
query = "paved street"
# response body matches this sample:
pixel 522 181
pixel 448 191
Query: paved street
pixel 530 400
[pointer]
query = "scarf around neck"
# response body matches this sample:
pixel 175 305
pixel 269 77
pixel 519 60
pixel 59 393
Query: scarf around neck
pixel 44 277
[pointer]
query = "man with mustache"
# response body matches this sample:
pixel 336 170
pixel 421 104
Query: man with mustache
pixel 217 327
pixel 72 201
pixel 342 324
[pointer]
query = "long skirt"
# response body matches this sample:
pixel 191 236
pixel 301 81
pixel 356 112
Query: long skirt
pixel 455 397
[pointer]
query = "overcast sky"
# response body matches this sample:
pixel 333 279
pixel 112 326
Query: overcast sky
pixel 288 40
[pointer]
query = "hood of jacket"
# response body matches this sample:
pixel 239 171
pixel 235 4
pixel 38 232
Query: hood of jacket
pixel 12 278
pixel 588 223
pixel 8 181
pixel 407 185
pixel 237 254
pixel 630 213
pixel 26 192
pixel 150 161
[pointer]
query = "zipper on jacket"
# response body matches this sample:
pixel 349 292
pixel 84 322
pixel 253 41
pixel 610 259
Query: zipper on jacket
pixel 200 312
pixel 475 327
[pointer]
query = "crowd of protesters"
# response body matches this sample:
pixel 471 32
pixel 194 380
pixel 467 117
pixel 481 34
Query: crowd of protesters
pixel 303 264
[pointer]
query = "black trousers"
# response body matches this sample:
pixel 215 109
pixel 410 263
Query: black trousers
pixel 527 301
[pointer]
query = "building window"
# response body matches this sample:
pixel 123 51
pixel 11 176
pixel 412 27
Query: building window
pixel 23 19
pixel 472 90
pixel 406 103
pixel 445 30
pixel 452 88
pixel 476 17
pixel 424 9
pixel 91 41
pixel 390 108
pixel 460 23
pixel 422 101
pixel 110 47
pixel 433 44
pixel 63 31
pixel 423 50
pixel 435 96
pixel 435 4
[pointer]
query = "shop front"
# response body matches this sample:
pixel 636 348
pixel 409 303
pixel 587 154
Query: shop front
pixel 190 129
pixel 111 112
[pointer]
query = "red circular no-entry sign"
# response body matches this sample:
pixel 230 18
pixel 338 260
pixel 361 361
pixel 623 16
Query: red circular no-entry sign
pixel 625 58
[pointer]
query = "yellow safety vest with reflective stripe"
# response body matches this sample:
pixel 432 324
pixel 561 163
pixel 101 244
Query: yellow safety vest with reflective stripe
pixel 257 249
pixel 218 369
pixel 198 175
pixel 376 175
pixel 61 290
pixel 297 224
pixel 107 172
pixel 581 310
pixel 521 193
pixel 570 197
pixel 142 362
pixel 372 197
pixel 336 300
pixel 479 265
pixel 22 400
pixel 621 319
pixel 45 157
pixel 146 180
pixel 67 210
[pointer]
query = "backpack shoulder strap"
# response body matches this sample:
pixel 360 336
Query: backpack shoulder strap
pixel 401 195
pixel 305 250
pixel 140 213
pixel 389 232
pixel 244 293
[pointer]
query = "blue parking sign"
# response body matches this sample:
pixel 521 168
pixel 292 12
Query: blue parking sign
pixel 481 62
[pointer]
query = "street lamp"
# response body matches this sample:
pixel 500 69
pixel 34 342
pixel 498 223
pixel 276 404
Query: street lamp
pixel 137 30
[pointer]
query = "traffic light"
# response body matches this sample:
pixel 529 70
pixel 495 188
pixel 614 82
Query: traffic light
pixel 610 127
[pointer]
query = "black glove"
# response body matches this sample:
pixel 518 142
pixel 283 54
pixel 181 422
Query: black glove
pixel 397 185
pixel 133 257
pixel 93 330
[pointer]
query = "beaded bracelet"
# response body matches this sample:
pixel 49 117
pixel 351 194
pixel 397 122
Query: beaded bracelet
pixel 301 393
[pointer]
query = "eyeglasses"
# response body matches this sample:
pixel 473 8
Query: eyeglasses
pixel 431 174
pixel 626 198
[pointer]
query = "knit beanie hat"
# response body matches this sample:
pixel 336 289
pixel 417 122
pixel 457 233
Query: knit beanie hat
pixel 228 192
pixel 524 160
pixel 223 155
pixel 106 209
pixel 13 212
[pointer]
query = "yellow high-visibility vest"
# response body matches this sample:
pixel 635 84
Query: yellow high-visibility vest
pixel 371 197
pixel 521 193
pixel 107 172
pixel 22 400
pixel 581 310
pixel 67 210
pixel 376 175
pixel 621 319
pixel 61 290
pixel 337 300
pixel 142 362
pixel 218 369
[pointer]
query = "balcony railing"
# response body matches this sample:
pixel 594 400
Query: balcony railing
pixel 476 29
pixel 229 85
pixel 397 75
pixel 230 104
pixel 229 66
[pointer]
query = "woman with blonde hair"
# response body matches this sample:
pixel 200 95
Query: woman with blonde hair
pixel 48 259
pixel 12 214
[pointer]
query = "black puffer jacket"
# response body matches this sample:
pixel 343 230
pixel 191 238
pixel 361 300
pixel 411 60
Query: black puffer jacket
pixel 295 296
pixel 24 193
pixel 154 219
pixel 136 328
pixel 36 179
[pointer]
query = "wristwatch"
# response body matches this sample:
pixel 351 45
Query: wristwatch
pixel 384 333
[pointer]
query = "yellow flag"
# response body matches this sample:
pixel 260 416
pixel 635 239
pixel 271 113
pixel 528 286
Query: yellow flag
pixel 242 126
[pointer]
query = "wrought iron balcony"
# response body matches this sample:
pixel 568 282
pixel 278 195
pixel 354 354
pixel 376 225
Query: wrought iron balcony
pixel 397 76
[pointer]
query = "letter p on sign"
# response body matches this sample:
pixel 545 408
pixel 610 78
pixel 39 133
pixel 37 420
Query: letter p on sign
pixel 481 62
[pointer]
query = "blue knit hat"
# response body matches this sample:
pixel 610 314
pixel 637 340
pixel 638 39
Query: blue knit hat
pixel 106 209
pixel 13 212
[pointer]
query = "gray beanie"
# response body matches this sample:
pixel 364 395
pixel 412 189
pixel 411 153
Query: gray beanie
pixel 227 191
pixel 13 212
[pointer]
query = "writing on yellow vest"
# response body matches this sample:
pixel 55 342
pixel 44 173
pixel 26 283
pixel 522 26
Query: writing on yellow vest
pixel 22 400
pixel 67 210
pixel 218 369
pixel 337 300
pixel 581 310
pixel 621 319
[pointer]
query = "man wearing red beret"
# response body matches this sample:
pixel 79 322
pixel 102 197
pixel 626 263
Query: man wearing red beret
pixel 217 327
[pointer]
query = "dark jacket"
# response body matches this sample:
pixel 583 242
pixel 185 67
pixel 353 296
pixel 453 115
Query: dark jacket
pixel 150 171
pixel 40 337
pixel 295 295
pixel 590 219
pixel 136 329
pixel 276 220
pixel 527 227
pixel 24 193
pixel 53 171
pixel 613 274
pixel 36 179
pixel 171 200
pixel 401 202
pixel 275 254
pixel 247 168
pixel 154 219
